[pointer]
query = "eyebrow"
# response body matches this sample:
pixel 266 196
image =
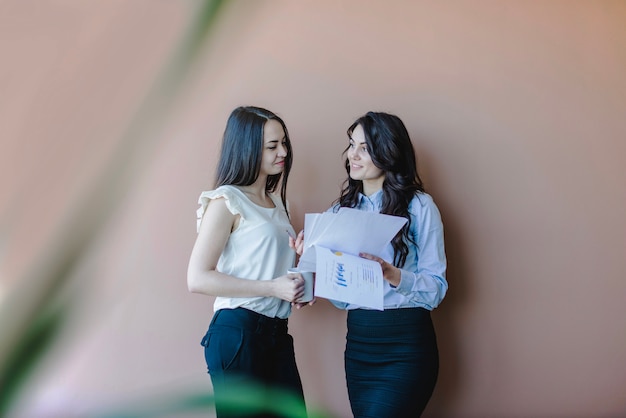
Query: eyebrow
pixel 276 140
pixel 358 143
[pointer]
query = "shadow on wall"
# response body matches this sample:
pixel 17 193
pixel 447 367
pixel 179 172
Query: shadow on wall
pixel 446 316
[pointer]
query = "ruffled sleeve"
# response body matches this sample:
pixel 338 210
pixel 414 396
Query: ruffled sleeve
pixel 230 195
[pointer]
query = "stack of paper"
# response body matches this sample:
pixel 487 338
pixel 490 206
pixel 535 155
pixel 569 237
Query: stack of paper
pixel 332 242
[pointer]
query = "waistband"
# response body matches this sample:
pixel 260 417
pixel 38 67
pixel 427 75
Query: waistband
pixel 372 322
pixel 250 320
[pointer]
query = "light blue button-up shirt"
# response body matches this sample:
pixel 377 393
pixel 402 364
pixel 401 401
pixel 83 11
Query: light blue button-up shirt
pixel 423 283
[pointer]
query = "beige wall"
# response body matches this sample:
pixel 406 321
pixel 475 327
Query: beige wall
pixel 517 112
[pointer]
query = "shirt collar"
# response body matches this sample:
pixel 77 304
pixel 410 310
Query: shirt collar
pixel 374 200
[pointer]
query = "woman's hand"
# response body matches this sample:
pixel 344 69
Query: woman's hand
pixel 289 287
pixel 297 243
pixel 390 273
pixel 299 305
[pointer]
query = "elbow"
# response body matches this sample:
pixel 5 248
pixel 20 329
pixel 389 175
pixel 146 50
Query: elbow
pixel 193 282
pixel 201 281
pixel 191 286
pixel 192 289
pixel 442 291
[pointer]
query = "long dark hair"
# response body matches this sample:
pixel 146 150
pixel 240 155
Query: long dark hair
pixel 242 151
pixel 391 150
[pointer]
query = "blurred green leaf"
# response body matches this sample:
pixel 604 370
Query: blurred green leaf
pixel 242 399
pixel 27 353
pixel 35 309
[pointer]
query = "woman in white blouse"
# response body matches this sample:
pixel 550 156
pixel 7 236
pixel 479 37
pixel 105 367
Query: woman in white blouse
pixel 241 256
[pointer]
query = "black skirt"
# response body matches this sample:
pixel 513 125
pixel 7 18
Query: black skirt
pixel 391 361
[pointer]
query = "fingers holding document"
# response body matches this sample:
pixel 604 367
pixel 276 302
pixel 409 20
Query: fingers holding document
pixel 390 273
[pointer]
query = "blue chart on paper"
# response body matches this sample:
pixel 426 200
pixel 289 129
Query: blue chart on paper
pixel 339 278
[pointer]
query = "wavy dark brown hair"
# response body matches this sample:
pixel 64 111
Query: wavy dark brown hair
pixel 391 150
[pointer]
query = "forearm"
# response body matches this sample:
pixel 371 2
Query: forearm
pixel 214 283
pixel 424 287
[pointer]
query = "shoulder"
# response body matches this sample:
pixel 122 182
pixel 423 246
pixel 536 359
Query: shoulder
pixel 228 192
pixel 227 198
pixel 233 197
pixel 334 208
pixel 423 206
pixel 422 200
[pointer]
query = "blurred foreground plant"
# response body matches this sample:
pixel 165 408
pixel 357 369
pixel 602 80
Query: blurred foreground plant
pixel 243 399
pixel 38 302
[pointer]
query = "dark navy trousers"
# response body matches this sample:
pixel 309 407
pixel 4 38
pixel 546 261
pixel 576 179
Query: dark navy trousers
pixel 252 364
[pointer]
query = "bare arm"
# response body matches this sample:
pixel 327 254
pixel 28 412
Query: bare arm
pixel 202 276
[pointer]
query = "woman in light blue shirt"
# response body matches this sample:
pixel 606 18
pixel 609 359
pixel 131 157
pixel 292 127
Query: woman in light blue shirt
pixel 391 356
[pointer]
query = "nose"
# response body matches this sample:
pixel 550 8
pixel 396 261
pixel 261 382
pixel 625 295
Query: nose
pixel 353 153
pixel 282 150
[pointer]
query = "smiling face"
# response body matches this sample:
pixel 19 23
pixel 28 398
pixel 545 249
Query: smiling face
pixel 361 165
pixel 274 148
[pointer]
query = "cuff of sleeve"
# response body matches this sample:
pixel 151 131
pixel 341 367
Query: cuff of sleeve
pixel 407 278
pixel 338 305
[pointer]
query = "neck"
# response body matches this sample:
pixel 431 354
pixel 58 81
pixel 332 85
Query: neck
pixel 371 187
pixel 256 188
pixel 256 192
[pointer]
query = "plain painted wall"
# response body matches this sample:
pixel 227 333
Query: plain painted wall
pixel 516 110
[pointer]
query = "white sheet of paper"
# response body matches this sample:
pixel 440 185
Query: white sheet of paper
pixel 332 242
pixel 347 278
pixel 350 231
